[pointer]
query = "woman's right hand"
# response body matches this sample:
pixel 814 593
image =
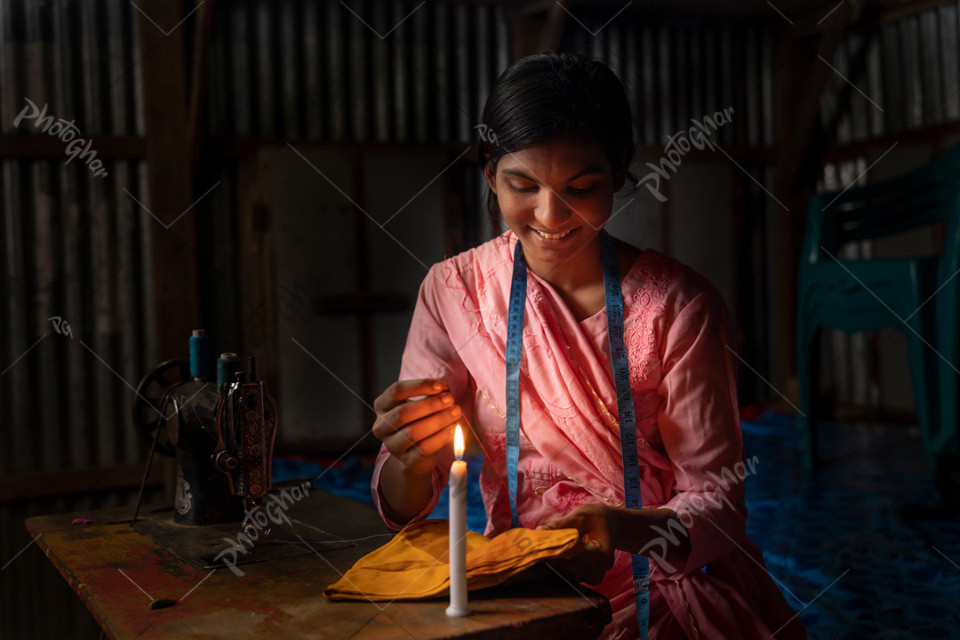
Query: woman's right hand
pixel 414 431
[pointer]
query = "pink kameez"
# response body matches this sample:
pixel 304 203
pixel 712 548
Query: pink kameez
pixel 677 332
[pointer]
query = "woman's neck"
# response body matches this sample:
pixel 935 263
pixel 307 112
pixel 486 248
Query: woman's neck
pixel 579 281
pixel 581 271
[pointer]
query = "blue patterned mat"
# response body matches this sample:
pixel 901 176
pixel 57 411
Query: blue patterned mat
pixel 834 539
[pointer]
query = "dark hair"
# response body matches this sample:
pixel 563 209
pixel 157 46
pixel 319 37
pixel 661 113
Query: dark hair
pixel 550 95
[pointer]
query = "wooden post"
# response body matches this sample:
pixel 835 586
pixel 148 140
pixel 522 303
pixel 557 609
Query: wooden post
pixel 801 76
pixel 201 56
pixel 258 279
pixel 368 364
pixel 535 26
pixel 169 180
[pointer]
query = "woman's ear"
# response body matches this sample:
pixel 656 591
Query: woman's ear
pixel 490 175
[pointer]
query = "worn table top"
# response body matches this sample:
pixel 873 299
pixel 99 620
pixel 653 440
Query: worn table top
pixel 117 572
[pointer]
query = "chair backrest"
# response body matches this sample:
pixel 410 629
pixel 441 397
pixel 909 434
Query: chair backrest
pixel 925 196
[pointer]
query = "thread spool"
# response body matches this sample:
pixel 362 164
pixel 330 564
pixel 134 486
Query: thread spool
pixel 227 366
pixel 200 354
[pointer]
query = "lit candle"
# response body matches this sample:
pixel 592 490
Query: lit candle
pixel 458 530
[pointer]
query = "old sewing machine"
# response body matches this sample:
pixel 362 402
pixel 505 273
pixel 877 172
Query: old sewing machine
pixel 222 434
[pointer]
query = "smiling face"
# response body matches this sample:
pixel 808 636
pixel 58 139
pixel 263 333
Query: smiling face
pixel 556 196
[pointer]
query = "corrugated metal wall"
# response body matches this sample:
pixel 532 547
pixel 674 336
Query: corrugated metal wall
pixel 675 73
pixel 74 244
pixel 321 70
pixel 911 77
pixel 316 71
pixel 74 247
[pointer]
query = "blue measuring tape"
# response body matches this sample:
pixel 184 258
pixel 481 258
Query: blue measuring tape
pixel 518 301
pixel 625 411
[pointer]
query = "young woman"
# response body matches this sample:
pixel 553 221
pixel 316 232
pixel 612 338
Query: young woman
pixel 662 520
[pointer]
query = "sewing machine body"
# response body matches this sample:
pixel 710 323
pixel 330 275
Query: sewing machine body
pixel 203 493
pixel 222 433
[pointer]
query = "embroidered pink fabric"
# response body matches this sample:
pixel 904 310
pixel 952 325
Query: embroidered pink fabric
pixel 676 330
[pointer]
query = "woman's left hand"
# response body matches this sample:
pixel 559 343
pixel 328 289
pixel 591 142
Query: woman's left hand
pixel 593 555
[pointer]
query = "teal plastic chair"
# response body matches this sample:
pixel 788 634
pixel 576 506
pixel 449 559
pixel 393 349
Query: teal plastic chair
pixel 858 295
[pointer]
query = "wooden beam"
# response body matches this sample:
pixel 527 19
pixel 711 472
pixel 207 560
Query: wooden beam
pixel 198 83
pixel 41 146
pixel 169 180
pixel 801 77
pixel 856 70
pixel 535 26
pixel 330 447
pixel 874 15
pixel 245 146
pixel 240 147
pixel 368 363
pixel 258 297
pixel 933 135
pixel 36 486
pixel 361 303
pixel 800 119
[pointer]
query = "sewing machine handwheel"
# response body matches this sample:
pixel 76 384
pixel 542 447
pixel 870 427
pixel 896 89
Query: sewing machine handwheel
pixel 150 392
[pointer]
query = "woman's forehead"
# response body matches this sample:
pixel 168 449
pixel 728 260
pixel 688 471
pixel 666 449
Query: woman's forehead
pixel 565 155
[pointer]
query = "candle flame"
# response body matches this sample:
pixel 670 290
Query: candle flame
pixel 458 442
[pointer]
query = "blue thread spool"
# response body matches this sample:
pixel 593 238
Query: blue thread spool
pixel 200 354
pixel 228 364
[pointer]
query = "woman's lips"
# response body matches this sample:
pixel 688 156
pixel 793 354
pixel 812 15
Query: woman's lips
pixel 554 238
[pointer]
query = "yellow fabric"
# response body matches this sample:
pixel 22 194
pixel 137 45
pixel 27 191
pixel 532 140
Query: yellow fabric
pixel 415 564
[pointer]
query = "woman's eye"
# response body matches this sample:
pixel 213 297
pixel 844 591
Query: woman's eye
pixel 523 189
pixel 580 191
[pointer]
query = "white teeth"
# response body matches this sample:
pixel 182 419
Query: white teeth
pixel 553 236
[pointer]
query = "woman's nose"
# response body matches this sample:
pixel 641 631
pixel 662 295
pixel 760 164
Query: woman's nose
pixel 551 210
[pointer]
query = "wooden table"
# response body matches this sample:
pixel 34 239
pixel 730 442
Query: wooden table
pixel 117 571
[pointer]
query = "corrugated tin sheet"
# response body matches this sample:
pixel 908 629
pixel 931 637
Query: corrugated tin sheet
pixel 73 247
pixel 911 79
pixel 355 71
pixel 74 243
pixel 674 74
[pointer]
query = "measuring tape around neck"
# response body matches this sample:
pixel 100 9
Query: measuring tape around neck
pixel 625 410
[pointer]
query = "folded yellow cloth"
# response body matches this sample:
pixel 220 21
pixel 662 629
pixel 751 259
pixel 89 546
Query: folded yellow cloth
pixel 415 563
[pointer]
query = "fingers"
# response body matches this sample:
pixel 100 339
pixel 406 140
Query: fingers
pixel 428 434
pixel 424 416
pixel 413 431
pixel 411 411
pixel 588 562
pixel 417 455
pixel 405 389
pixel 573 520
pixel 566 522
pixel 433 443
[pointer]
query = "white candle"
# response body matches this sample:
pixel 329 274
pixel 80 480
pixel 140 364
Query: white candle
pixel 458 530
